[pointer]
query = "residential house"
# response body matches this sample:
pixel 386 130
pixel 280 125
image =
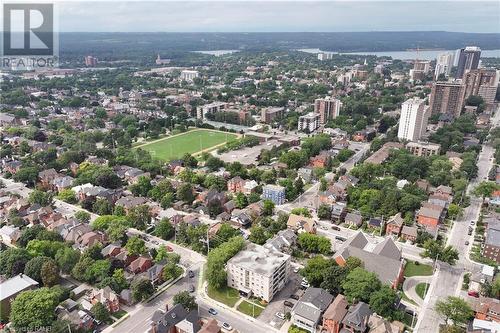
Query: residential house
pixel 430 215
pixel 338 212
pixel 378 324
pixel 107 297
pixel 12 287
pixel 306 314
pixel 334 314
pixel 283 241
pixel 394 225
pixel 384 258
pixel 62 183
pixel 487 309
pixel 235 184
pixel 210 326
pixel 91 238
pixel 357 318
pixel 46 177
pixel 375 222
pixel 175 320
pixel 353 219
pixel 111 250
pixel 130 202
pixel 301 224
pixel 305 174
pixel 140 265
pixel 154 273
pixel 491 248
pixel 409 233
pixel 9 235
pixel 12 167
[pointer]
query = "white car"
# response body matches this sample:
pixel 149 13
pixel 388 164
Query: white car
pixel 280 315
pixel 305 285
pixel 227 327
pixel 296 270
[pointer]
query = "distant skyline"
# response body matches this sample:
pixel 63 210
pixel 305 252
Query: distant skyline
pixel 279 16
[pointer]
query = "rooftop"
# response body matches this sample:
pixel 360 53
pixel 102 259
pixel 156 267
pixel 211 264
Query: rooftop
pixel 259 259
pixel 16 284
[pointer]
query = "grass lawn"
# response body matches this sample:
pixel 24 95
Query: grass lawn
pixel 189 142
pixel 421 289
pixel 226 295
pixel 250 309
pixel 412 269
pixel 408 299
pixel 119 314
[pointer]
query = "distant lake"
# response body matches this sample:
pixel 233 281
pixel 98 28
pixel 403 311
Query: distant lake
pixel 217 53
pixel 405 55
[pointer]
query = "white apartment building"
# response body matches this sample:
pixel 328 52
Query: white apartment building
pixel 413 120
pixel 258 270
pixel 327 108
pixel 189 75
pixel 325 56
pixel 309 121
pixel 444 63
pixel 214 107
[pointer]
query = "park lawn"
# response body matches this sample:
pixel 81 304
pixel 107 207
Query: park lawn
pixel 250 309
pixel 411 269
pixel 189 142
pixel 226 295
pixel 421 289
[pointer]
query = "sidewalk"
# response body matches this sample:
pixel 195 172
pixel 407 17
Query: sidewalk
pixel 410 284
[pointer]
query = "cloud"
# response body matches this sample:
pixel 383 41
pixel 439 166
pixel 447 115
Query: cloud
pixel 259 16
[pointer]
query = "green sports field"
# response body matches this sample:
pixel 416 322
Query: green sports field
pixel 190 142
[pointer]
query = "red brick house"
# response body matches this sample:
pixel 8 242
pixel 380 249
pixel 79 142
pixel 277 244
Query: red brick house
pixel 107 297
pixel 140 265
pixel 394 225
pixel 332 318
pixel 235 184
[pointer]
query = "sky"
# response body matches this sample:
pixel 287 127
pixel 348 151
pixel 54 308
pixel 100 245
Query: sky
pixel 282 16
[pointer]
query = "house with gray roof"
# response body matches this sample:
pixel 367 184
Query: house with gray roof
pixel 306 314
pixel 176 319
pixel 356 319
pixel 491 248
pixel 10 288
pixel 384 258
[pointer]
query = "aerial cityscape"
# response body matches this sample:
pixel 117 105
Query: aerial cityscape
pixel 184 167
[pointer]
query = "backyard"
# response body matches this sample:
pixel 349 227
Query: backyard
pixel 414 268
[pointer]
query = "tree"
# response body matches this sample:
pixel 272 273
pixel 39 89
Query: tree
pixel 13 261
pixel 454 211
pixel 217 258
pixel 315 270
pixel 49 274
pixel 187 301
pixel 302 211
pixel 68 196
pixel 102 207
pixel 171 271
pixel 383 301
pixel 240 200
pixel 141 289
pixel 455 309
pixel 189 160
pixel 119 280
pixel 268 207
pixel 139 216
pixel 100 312
pixel 258 235
pixel 29 234
pixel 333 277
pixel 359 285
pixel 164 229
pixel 435 250
pixel 185 193
pixel 40 197
pixel 33 267
pixel 313 243
pixel 135 246
pixel 82 216
pixel 33 309
pixel 485 189
pixel 142 187
pixel 46 248
pixel 324 212
pixel 28 175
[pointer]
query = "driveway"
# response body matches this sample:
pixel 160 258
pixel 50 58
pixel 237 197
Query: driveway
pixel 276 305
pixel 411 283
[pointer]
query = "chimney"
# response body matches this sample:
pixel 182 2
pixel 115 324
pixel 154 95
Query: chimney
pixel 166 307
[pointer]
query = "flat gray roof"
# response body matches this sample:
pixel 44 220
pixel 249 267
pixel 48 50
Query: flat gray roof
pixel 259 259
pixel 15 285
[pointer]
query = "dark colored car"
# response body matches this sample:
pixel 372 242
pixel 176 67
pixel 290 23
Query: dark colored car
pixel 295 297
pixel 191 274
pixel 288 303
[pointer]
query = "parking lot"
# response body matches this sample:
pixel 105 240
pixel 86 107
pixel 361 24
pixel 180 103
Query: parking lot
pixel 247 156
pixel 276 305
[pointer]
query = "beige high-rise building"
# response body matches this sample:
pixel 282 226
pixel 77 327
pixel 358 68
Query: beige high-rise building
pixel 482 82
pixel 444 63
pixel 447 97
pixel 258 270
pixel 413 120
pixel 327 108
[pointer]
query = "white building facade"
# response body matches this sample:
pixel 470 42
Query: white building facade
pixel 413 120
pixel 309 122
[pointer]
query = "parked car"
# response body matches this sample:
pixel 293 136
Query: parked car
pixel 212 311
pixel 304 285
pixel 227 327
pixel 466 243
pixel 334 227
pixel 295 297
pixel 296 270
pixel 472 222
pixel 288 303
pixel 473 293
pixel 191 288
pixel 280 315
pixel 169 248
pixel 191 274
